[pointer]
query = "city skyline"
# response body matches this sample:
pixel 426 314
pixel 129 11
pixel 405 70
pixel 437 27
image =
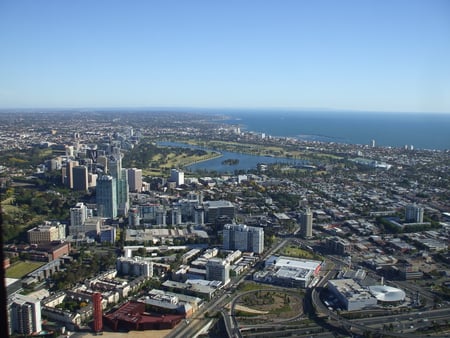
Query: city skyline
pixel 349 55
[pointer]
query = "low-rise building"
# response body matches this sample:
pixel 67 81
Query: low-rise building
pixel 351 295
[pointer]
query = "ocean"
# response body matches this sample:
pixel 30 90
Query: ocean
pixel 422 131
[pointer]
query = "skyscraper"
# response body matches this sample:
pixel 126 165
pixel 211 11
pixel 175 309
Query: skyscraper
pixel 107 196
pixel 69 173
pixel 134 179
pixel 98 313
pixel 121 179
pixel 306 223
pixel 80 178
pixel 244 238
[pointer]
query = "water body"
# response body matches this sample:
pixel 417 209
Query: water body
pixel 246 162
pixel 423 131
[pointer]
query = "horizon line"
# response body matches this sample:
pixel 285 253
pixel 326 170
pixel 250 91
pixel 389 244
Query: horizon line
pixel 202 108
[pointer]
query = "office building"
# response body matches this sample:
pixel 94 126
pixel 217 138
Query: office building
pixel 46 233
pixel 177 176
pixel 121 180
pixel 102 163
pixel 25 315
pixel 80 179
pixel 134 180
pixel 244 238
pixel 215 210
pixel 306 222
pixel 68 173
pixel 413 214
pixel 107 197
pixel 218 269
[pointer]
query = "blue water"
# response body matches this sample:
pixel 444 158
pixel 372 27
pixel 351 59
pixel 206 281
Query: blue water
pixel 246 162
pixel 423 131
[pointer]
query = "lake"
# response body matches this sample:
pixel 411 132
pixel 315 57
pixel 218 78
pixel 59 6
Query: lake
pixel 246 161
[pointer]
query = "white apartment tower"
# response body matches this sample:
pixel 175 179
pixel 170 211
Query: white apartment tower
pixel 25 315
pixel 306 223
pixel 134 180
pixel 218 269
pixel 243 237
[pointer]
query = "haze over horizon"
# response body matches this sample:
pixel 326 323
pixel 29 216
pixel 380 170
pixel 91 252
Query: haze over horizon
pixel 387 56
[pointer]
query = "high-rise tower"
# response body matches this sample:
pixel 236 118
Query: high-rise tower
pixel 134 180
pixel 98 313
pixel 107 196
pixel 306 223
pixel 80 178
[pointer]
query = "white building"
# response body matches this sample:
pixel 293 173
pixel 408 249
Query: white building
pixel 306 223
pixel 177 176
pixel 47 232
pixel 134 180
pixel 218 269
pixel 243 237
pixel 25 315
pixel 352 295
pixel 136 266
pixel 288 271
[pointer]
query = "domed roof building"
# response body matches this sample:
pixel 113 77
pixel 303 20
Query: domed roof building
pixel 387 294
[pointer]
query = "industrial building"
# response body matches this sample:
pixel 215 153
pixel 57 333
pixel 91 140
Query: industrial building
pixel 288 271
pixel 351 295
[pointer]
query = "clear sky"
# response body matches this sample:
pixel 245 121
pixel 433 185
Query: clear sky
pixel 381 55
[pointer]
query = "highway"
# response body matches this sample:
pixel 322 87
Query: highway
pixel 327 321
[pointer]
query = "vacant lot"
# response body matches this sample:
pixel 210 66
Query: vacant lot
pixel 21 269
pixel 295 251
pixel 270 305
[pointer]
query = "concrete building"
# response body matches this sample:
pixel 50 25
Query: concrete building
pixel 306 222
pixel 218 269
pixel 79 214
pixel 216 209
pixel 134 219
pixel 288 271
pixel 413 214
pixel 244 238
pixel 25 315
pixel 46 233
pixel 134 180
pixel 136 266
pixel 339 245
pixel 351 295
pixel 68 173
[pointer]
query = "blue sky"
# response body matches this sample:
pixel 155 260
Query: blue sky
pixel 382 55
